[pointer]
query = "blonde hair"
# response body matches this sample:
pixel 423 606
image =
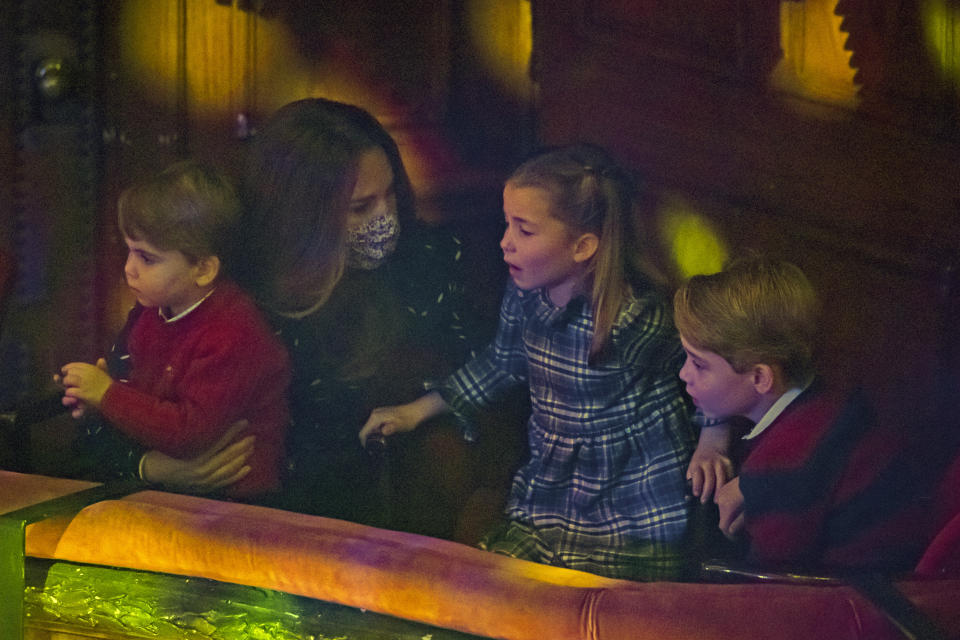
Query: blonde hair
pixel 188 207
pixel 755 311
pixel 592 194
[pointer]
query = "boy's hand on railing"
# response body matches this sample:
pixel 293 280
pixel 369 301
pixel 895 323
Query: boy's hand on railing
pixel 730 504
pixel 710 468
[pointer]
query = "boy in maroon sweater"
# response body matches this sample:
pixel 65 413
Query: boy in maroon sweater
pixel 201 357
pixel 820 486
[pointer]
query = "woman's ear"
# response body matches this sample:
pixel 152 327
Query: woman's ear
pixel 585 247
pixel 206 270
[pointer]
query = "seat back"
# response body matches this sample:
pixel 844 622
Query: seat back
pixel 942 556
pixel 7 272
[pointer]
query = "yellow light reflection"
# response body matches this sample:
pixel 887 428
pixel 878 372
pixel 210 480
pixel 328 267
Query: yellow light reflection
pixel 815 64
pixel 694 244
pixel 229 61
pixel 560 576
pixel 502 37
pixel 232 61
pixel 150 48
pixel 941 29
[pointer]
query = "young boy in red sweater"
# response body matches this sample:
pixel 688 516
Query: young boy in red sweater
pixel 820 486
pixel 199 356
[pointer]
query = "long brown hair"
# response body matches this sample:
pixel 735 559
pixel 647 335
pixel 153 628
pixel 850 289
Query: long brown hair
pixel 301 170
pixel 591 193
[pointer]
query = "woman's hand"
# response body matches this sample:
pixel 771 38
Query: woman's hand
pixel 219 466
pixel 386 421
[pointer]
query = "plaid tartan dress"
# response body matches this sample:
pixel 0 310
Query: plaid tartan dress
pixel 604 489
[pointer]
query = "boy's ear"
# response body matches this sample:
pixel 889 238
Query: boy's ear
pixel 764 378
pixel 206 270
pixel 585 247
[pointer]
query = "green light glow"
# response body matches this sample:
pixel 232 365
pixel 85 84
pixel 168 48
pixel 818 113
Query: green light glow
pixel 121 604
pixel 694 244
pixel 941 29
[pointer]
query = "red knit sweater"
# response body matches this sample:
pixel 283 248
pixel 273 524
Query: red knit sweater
pixel 825 488
pixel 191 379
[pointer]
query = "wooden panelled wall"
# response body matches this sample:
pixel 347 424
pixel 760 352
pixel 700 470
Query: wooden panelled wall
pixel 49 186
pixel 150 82
pixel 862 191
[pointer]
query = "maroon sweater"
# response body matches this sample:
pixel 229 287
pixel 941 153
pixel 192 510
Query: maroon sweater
pixel 825 488
pixel 191 379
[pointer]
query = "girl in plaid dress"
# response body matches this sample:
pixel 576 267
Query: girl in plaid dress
pixel 609 432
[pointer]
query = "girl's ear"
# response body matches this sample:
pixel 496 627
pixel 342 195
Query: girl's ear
pixel 585 247
pixel 206 270
pixel 764 378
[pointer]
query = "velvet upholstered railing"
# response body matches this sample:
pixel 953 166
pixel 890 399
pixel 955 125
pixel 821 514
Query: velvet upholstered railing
pixel 434 581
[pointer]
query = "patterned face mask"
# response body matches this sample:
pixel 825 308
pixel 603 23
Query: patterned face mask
pixel 372 242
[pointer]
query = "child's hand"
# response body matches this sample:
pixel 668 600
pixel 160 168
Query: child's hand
pixel 386 421
pixel 708 471
pixel 710 468
pixel 84 384
pixel 730 504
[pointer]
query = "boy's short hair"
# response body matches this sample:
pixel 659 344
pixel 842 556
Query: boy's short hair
pixel 755 311
pixel 188 207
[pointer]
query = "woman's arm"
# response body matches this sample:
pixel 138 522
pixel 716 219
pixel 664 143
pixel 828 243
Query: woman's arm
pixel 219 466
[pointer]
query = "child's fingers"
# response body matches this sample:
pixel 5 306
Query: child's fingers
pixel 727 469
pixel 70 366
pixel 373 426
pixel 695 480
pixel 75 404
pixel 102 364
pixel 727 517
pixel 72 376
pixel 709 484
pixel 722 471
pixel 732 528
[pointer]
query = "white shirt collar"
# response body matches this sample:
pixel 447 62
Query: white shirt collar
pixel 774 411
pixel 185 311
